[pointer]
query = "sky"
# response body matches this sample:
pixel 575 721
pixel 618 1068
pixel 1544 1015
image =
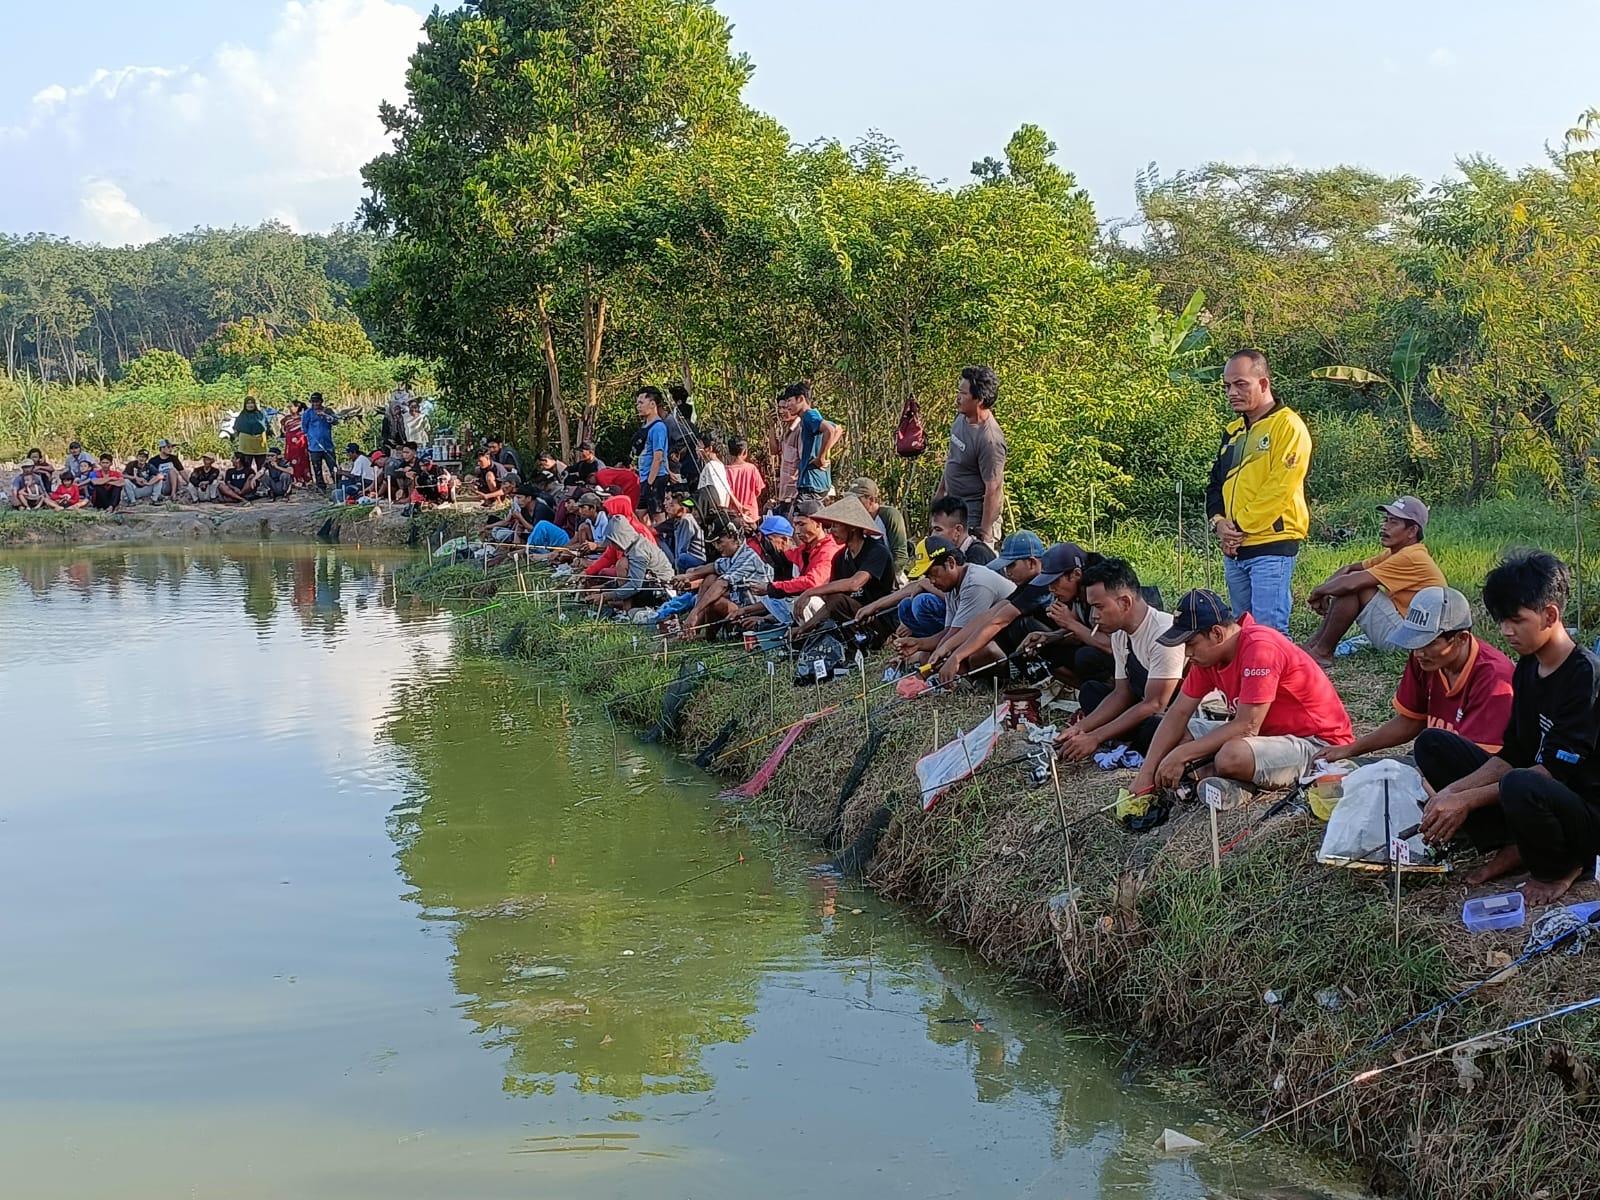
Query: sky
pixel 151 118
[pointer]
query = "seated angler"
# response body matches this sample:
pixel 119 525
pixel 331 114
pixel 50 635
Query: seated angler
pixel 862 571
pixel 948 518
pixel 1536 802
pixel 493 488
pixel 170 470
pixel 1054 598
pixel 1453 682
pixel 1146 672
pixel 810 554
pixel 970 592
pixel 277 476
pixel 1376 592
pixel 1282 713
pixel 722 589
pixel 891 524
pixel 645 575
pixel 680 534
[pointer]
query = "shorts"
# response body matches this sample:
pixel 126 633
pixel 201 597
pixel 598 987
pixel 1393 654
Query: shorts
pixel 653 496
pixel 1380 620
pixel 1281 761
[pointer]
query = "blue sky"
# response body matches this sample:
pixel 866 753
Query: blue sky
pixel 235 112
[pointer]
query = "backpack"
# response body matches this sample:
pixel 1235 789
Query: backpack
pixel 910 436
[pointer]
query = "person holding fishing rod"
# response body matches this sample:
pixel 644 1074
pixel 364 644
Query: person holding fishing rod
pixel 1536 802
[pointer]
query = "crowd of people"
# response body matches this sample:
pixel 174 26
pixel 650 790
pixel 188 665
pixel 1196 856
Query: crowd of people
pixel 691 538
pixel 401 467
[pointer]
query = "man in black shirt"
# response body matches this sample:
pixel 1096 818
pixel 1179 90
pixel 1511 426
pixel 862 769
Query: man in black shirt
pixel 581 473
pixel 169 468
pixel 503 455
pixel 239 482
pixel 947 518
pixel 1537 802
pixel 492 488
pixel 863 571
pixel 203 480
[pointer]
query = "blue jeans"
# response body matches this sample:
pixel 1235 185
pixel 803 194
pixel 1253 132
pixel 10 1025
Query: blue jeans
pixel 688 562
pixel 1260 587
pixel 677 606
pixel 923 614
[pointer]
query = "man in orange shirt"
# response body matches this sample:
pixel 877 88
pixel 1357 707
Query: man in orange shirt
pixel 1377 592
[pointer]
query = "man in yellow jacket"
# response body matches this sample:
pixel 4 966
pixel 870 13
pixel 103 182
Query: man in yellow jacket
pixel 1257 495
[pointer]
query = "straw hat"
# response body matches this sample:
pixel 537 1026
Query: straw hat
pixel 848 510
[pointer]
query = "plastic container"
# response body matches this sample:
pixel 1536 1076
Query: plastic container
pixel 1483 913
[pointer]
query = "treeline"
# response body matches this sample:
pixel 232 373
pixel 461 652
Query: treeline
pixel 72 313
pixel 579 200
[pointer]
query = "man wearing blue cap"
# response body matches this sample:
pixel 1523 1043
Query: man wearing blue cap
pixel 1019 557
pixel 1282 713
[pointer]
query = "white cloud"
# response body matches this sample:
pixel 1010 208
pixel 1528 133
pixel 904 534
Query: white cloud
pixel 1442 58
pixel 280 128
pixel 114 219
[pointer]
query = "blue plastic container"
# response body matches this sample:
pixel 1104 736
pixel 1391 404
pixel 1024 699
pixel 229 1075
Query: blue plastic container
pixel 1484 913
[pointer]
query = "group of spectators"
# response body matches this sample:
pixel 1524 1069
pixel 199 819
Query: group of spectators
pixel 1210 687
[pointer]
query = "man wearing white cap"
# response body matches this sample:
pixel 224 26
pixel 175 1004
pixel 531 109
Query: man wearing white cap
pixel 1453 684
pixel 1377 591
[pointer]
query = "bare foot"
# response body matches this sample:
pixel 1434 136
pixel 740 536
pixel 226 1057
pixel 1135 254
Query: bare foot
pixel 1539 891
pixel 1506 860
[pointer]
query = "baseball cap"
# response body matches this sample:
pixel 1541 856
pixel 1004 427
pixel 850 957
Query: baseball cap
pixel 164 445
pixel 352 448
pixel 592 500
pixel 865 487
pixel 1197 612
pixel 1434 611
pixel 209 457
pixel 807 507
pixel 1061 559
pixel 1019 546
pixel 1407 508
pixel 928 553
pixel 775 526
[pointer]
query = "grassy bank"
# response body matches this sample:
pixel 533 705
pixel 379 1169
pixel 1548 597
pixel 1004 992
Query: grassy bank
pixel 1164 952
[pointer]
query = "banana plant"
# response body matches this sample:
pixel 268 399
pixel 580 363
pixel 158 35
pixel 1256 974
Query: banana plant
pixel 1405 367
pixel 1186 341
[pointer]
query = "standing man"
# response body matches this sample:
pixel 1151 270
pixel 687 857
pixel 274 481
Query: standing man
pixel 317 423
pixel 1256 498
pixel 745 481
pixel 891 523
pixel 975 463
pixel 652 446
pixel 818 437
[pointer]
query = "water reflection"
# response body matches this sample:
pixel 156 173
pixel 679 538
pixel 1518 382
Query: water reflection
pixel 320 587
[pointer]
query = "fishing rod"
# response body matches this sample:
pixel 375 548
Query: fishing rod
pixel 1593 919
pixel 703 875
pixel 1439 1052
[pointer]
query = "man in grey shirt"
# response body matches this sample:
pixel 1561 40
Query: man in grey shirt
pixel 969 593
pixel 975 464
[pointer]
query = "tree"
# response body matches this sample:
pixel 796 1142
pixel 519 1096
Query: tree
pixel 157 368
pixel 521 115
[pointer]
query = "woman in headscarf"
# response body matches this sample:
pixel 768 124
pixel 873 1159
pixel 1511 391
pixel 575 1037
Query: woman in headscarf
pixel 250 431
pixel 295 447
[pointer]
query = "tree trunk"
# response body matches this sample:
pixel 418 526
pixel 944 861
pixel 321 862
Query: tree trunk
pixel 553 369
pixel 594 333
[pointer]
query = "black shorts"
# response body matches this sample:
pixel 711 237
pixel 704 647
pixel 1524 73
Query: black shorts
pixel 653 496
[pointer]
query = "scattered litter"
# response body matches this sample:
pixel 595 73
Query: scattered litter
pixel 856 912
pixel 1271 997
pixel 627 954
pixel 1351 644
pixel 1119 756
pixel 1573 922
pixel 1330 998
pixel 1173 1142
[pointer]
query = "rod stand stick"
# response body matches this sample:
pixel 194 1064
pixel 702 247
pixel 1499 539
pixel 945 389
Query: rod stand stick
pixel 1066 844
pixel 1216 843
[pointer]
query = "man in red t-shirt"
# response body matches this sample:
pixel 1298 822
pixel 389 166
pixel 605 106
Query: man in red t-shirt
pixel 1282 710
pixel 1452 681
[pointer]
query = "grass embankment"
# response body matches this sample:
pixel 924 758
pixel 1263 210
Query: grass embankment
pixel 1164 951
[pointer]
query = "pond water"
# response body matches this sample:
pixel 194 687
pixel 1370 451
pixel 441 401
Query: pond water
pixel 303 901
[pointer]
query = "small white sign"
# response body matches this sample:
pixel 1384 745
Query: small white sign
pixel 819 669
pixel 772 669
pixel 1399 852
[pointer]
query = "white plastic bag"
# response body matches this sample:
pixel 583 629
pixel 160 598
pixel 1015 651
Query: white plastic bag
pixel 1356 830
